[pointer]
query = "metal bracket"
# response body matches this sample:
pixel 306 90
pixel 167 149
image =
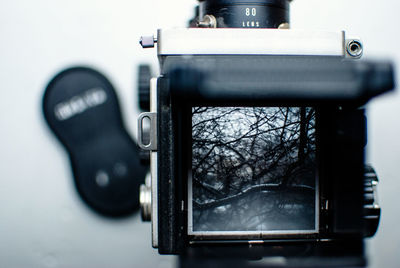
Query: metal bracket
pixel 147 138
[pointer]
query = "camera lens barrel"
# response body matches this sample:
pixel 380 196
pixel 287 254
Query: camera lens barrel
pixel 246 13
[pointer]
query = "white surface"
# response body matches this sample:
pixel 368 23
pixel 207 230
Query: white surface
pixel 43 222
pixel 249 41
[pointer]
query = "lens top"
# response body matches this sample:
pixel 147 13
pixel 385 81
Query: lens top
pixel 277 3
pixel 246 13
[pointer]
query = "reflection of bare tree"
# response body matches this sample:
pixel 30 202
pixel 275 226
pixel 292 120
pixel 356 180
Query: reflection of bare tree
pixel 253 168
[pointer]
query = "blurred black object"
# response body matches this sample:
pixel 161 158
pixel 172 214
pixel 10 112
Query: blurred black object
pixel 81 107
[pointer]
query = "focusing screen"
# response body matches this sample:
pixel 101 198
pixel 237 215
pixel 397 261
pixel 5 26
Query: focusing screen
pixel 253 171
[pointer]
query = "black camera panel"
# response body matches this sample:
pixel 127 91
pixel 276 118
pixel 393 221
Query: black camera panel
pixel 252 80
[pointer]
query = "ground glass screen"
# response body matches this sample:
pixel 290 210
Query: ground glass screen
pixel 253 170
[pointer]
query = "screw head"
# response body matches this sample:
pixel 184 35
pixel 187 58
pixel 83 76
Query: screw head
pixel 354 48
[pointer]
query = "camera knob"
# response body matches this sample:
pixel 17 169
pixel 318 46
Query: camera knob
pixel 147 41
pixel 144 76
pixel 145 202
pixel 143 91
pixel 372 210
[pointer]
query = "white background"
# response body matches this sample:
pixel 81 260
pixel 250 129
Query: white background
pixel 43 222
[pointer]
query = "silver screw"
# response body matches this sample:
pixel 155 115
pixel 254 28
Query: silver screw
pixel 354 48
pixel 209 21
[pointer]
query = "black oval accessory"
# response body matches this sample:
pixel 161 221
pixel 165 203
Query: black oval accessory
pixel 81 107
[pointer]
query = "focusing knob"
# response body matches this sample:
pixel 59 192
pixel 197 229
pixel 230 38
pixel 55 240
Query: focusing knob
pixel 144 77
pixel 372 210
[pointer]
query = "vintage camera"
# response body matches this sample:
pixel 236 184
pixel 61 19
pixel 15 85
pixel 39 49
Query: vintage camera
pixel 256 135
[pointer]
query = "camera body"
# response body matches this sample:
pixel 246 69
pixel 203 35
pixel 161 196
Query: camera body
pixel 257 140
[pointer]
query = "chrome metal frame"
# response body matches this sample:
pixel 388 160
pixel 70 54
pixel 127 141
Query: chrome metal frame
pixel 228 41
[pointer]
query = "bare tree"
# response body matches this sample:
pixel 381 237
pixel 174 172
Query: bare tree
pixel 253 168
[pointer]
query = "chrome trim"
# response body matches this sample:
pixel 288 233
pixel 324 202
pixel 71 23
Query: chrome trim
pixel 228 41
pixel 153 170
